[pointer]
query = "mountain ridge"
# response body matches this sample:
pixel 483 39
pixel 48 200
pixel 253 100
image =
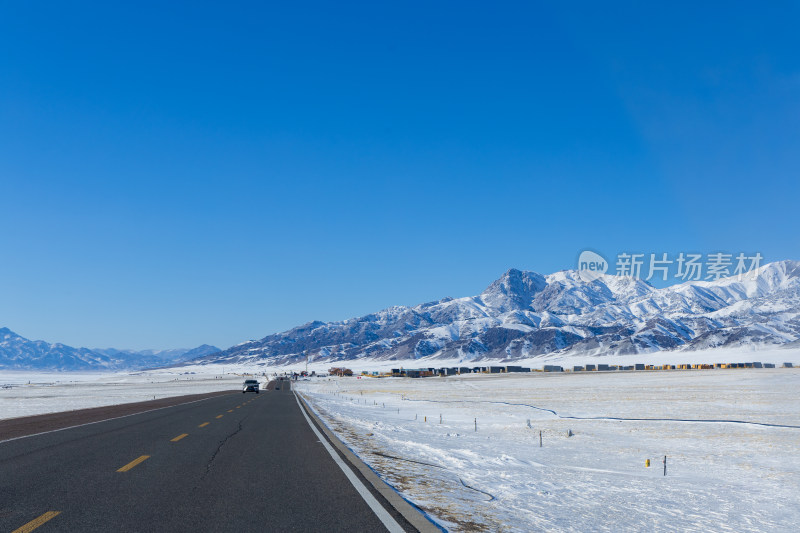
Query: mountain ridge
pixel 525 314
pixel 19 353
pixel 520 315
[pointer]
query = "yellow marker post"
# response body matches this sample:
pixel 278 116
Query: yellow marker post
pixel 36 522
pixel 133 463
pixel 647 463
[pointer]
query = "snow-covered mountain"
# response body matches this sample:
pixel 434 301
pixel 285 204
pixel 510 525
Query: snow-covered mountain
pixel 19 353
pixel 155 358
pixel 526 314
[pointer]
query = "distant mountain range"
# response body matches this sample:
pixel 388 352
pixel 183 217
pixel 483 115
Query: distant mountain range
pixel 19 353
pixel 525 315
pixel 522 315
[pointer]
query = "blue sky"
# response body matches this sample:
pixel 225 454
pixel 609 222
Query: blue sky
pixel 190 173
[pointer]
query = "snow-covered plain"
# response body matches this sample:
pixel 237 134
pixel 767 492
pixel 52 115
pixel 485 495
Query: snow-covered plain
pixel 32 393
pixel 728 469
pixel 722 476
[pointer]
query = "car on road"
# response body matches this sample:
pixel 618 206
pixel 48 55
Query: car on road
pixel 250 385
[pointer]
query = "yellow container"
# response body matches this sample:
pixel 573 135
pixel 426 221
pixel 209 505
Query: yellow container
pixel 647 463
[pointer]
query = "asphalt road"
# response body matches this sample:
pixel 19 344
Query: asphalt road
pixel 237 462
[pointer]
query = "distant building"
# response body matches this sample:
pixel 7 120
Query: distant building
pixel 418 372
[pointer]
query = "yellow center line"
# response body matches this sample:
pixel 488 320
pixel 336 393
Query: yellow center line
pixel 179 437
pixel 238 406
pixel 230 410
pixel 134 463
pixel 204 424
pixel 36 522
pixel 220 416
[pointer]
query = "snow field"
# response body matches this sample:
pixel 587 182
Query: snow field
pixel 722 476
pixel 34 393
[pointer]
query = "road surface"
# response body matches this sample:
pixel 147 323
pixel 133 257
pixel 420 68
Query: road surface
pixel 235 462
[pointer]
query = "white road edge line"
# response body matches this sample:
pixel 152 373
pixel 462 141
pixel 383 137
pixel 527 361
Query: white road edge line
pixel 383 515
pixel 104 420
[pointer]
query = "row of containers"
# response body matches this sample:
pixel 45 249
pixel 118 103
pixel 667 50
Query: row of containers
pixel 639 366
pixel 452 371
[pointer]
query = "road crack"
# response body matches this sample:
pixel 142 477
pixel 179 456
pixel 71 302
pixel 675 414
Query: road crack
pixel 219 448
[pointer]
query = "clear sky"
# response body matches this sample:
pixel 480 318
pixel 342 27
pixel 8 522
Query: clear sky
pixel 178 173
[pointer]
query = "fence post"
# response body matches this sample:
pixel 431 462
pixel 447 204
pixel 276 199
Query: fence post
pixel 540 438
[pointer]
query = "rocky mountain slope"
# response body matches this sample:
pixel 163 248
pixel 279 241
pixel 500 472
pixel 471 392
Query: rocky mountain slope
pixel 526 314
